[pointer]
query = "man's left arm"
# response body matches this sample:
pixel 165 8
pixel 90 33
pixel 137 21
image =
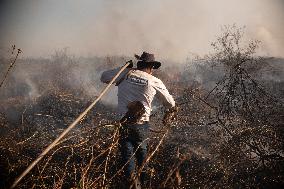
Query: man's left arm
pixel 108 75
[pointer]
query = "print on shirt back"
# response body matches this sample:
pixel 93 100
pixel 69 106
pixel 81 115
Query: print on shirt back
pixel 137 80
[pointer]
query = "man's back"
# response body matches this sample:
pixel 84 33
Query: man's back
pixel 137 85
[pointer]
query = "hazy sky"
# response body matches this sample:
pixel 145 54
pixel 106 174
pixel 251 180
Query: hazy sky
pixel 172 29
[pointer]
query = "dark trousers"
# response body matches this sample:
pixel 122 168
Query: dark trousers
pixel 133 138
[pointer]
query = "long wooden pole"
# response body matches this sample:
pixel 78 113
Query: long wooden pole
pixel 30 167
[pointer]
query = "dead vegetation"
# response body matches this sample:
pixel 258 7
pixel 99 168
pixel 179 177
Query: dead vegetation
pixel 228 136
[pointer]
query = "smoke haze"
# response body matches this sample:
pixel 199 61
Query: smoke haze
pixel 171 29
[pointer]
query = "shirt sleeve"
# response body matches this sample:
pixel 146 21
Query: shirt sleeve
pixel 163 94
pixel 108 75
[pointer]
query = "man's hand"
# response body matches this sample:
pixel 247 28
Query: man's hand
pixel 170 115
pixel 130 65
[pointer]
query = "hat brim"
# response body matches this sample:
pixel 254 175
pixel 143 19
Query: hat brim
pixel 156 64
pixel 153 64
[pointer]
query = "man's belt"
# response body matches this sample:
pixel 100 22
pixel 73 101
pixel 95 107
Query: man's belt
pixel 134 114
pixel 141 122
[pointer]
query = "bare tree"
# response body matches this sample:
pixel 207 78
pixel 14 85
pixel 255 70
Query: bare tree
pixel 252 149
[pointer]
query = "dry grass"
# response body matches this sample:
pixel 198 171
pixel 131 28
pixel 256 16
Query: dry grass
pixel 227 137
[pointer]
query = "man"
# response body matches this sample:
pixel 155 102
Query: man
pixel 137 87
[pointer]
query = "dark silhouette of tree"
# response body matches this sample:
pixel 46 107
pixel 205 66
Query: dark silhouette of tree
pixel 253 120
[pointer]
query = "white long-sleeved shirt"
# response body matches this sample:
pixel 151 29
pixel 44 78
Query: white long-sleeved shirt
pixel 136 85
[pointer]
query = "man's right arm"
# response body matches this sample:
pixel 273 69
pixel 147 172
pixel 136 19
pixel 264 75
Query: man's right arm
pixel 168 101
pixel 163 94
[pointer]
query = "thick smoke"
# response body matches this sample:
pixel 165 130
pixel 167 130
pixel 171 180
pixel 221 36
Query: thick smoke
pixel 62 74
pixel 31 78
pixel 170 29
